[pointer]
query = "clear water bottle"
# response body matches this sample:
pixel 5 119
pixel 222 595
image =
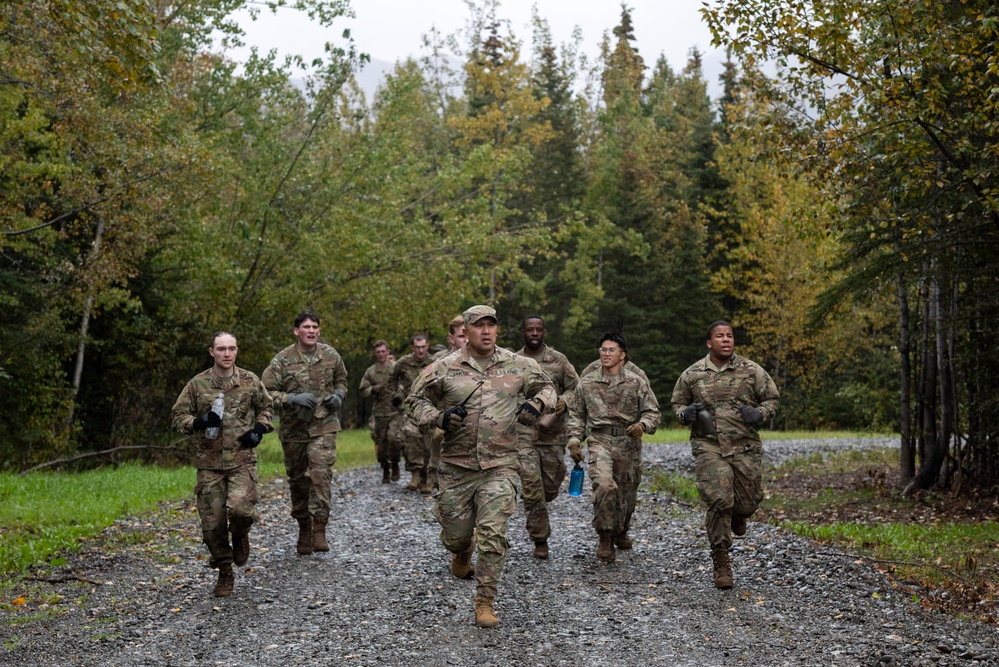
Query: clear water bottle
pixel 218 407
pixel 576 481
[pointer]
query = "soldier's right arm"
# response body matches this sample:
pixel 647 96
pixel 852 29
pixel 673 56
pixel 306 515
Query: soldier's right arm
pixel 682 396
pixel 422 402
pixel 576 421
pixel 184 411
pixel 273 381
pixel 366 386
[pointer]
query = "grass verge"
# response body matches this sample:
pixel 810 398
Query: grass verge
pixel 938 548
pixel 44 513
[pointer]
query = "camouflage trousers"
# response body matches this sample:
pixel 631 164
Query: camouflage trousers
pixel 226 501
pixel 552 468
pixel 387 439
pixel 615 468
pixel 532 490
pixel 309 464
pixel 477 503
pixel 416 446
pixel 728 485
pixel 436 439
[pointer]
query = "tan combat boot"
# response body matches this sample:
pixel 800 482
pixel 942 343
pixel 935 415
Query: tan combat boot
pixel 226 581
pixel 461 565
pixel 319 542
pixel 738 525
pixel 723 569
pixel 304 545
pixel 605 548
pixel 386 474
pixel 484 615
pixel 395 471
pixel 414 481
pixel 622 541
pixel 541 549
pixel 240 548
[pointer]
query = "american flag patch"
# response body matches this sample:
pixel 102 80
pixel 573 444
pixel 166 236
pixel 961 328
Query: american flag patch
pixel 428 371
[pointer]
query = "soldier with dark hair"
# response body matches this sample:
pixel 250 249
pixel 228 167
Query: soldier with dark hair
pixel 477 396
pixel 616 407
pixel 542 456
pixel 376 383
pixel 226 492
pixel 416 440
pixel 724 397
pixel 308 382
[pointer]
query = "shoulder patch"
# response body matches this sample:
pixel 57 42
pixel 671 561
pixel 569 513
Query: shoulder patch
pixel 428 371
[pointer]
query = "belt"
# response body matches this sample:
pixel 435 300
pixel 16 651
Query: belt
pixel 610 430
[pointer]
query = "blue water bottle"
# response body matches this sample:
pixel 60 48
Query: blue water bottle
pixel 576 481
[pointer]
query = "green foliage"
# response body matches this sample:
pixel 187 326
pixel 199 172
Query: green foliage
pixel 681 487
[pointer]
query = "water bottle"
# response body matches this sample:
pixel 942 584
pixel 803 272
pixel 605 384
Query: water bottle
pixel 576 481
pixel 218 407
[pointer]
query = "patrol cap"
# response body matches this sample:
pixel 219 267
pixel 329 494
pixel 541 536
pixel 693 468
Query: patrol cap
pixel 476 313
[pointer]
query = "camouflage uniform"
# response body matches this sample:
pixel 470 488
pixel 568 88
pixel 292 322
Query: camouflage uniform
pixel 542 452
pixel 595 366
pixel 478 471
pixel 729 463
pixel 377 382
pixel 226 489
pixel 605 405
pixel 436 438
pixel 309 446
pixel 416 440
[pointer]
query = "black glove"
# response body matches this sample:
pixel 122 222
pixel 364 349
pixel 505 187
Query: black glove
pixel 689 413
pixel 301 400
pixel 252 438
pixel 333 401
pixel 209 420
pixel 450 420
pixel 396 401
pixel 527 414
pixel 750 415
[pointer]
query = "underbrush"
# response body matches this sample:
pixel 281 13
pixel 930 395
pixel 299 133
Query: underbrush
pixel 940 549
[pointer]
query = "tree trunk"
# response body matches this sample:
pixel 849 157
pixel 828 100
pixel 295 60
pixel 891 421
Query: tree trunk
pixel 907 455
pixel 81 345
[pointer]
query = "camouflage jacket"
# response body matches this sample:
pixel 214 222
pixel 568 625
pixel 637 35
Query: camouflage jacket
pixel 488 436
pixel 563 376
pixel 376 383
pixel 612 400
pixel 405 372
pixel 595 366
pixel 246 403
pixel 319 374
pixel 723 391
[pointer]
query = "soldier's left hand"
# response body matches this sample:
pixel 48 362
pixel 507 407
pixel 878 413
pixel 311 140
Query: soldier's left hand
pixel 527 414
pixel 750 415
pixel 560 406
pixel 636 430
pixel 333 401
pixel 252 438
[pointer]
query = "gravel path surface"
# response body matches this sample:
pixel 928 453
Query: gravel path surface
pixel 384 595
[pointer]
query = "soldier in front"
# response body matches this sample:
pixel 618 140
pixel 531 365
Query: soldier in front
pixel 477 396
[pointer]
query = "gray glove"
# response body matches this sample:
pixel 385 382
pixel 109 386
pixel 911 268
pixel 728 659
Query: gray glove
pixel 689 413
pixel 750 415
pixel 301 400
pixel 333 401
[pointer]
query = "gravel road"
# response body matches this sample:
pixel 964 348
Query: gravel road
pixel 384 594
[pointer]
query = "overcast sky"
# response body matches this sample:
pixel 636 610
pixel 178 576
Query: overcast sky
pixel 390 30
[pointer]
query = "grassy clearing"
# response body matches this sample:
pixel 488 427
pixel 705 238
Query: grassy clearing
pixel 42 514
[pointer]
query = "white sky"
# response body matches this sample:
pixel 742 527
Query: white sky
pixel 390 30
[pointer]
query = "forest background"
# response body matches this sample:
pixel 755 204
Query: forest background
pixel 840 209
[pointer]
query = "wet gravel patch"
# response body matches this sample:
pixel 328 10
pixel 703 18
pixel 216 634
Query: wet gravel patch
pixel 384 595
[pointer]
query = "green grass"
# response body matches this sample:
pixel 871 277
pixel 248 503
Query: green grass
pixel 678 485
pixel 44 513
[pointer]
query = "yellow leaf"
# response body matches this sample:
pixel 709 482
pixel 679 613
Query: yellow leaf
pixel 19 602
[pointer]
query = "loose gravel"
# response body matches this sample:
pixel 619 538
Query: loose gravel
pixel 384 594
